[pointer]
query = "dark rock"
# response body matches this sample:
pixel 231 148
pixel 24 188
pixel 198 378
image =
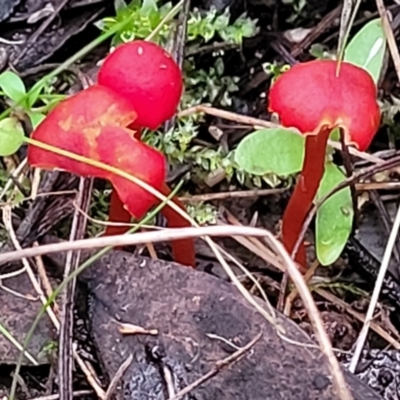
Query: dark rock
pixel 186 306
pixel 18 310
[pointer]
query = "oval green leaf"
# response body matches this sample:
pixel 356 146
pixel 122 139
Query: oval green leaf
pixel 367 48
pixel 276 150
pixel 334 218
pixel 12 86
pixel 11 136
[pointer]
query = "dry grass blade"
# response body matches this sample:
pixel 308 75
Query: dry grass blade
pixel 316 321
pixel 171 234
pixel 391 41
pixel 375 294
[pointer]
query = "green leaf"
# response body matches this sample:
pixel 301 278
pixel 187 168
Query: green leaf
pixel 334 217
pixel 119 5
pixel 36 118
pixel 276 150
pixel 34 93
pixel 12 86
pixel 367 48
pixel 11 136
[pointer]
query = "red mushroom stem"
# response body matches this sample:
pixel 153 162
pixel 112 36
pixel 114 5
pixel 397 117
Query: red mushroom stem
pixel 183 250
pixel 117 213
pixel 304 193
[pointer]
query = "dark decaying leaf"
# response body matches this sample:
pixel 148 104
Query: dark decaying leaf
pixel 47 43
pixel 7 7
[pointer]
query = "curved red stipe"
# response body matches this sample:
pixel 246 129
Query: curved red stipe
pixel 315 97
pixel 304 192
pixel 117 213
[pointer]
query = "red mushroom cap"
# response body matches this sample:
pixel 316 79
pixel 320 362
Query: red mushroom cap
pixel 73 125
pixel 146 75
pixel 92 124
pixel 136 158
pixel 311 95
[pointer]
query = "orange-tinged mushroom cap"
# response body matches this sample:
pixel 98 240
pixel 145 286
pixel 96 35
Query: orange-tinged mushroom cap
pixel 73 125
pixel 92 124
pixel 311 95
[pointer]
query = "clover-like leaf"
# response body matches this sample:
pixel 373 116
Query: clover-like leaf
pixel 367 48
pixel 11 136
pixel 12 86
pixel 277 150
pixel 334 217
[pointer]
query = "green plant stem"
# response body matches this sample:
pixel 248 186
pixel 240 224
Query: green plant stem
pixel 305 191
pixel 342 48
pixel 171 14
pixel 68 279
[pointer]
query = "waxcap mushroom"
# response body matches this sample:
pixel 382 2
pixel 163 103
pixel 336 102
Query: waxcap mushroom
pixel 312 94
pixel 148 77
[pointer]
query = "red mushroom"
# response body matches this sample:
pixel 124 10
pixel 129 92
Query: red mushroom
pixel 151 81
pixel 73 125
pixel 91 123
pixel 315 97
pixel 148 77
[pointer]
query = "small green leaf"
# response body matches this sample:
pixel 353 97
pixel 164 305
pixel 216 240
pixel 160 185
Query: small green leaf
pixel 11 136
pixel 334 217
pixel 277 150
pixel 12 86
pixel 36 118
pixel 367 48
pixel 34 93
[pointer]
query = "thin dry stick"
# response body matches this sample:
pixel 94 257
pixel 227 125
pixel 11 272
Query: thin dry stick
pixel 375 294
pixel 135 239
pixel 375 327
pixel 57 396
pixel 45 280
pixel 260 123
pixel 7 222
pixel 65 363
pixel 268 192
pixel 391 41
pixel 233 194
pixel 28 269
pixel 313 314
pixel 14 174
pixel 219 365
pixel 117 377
